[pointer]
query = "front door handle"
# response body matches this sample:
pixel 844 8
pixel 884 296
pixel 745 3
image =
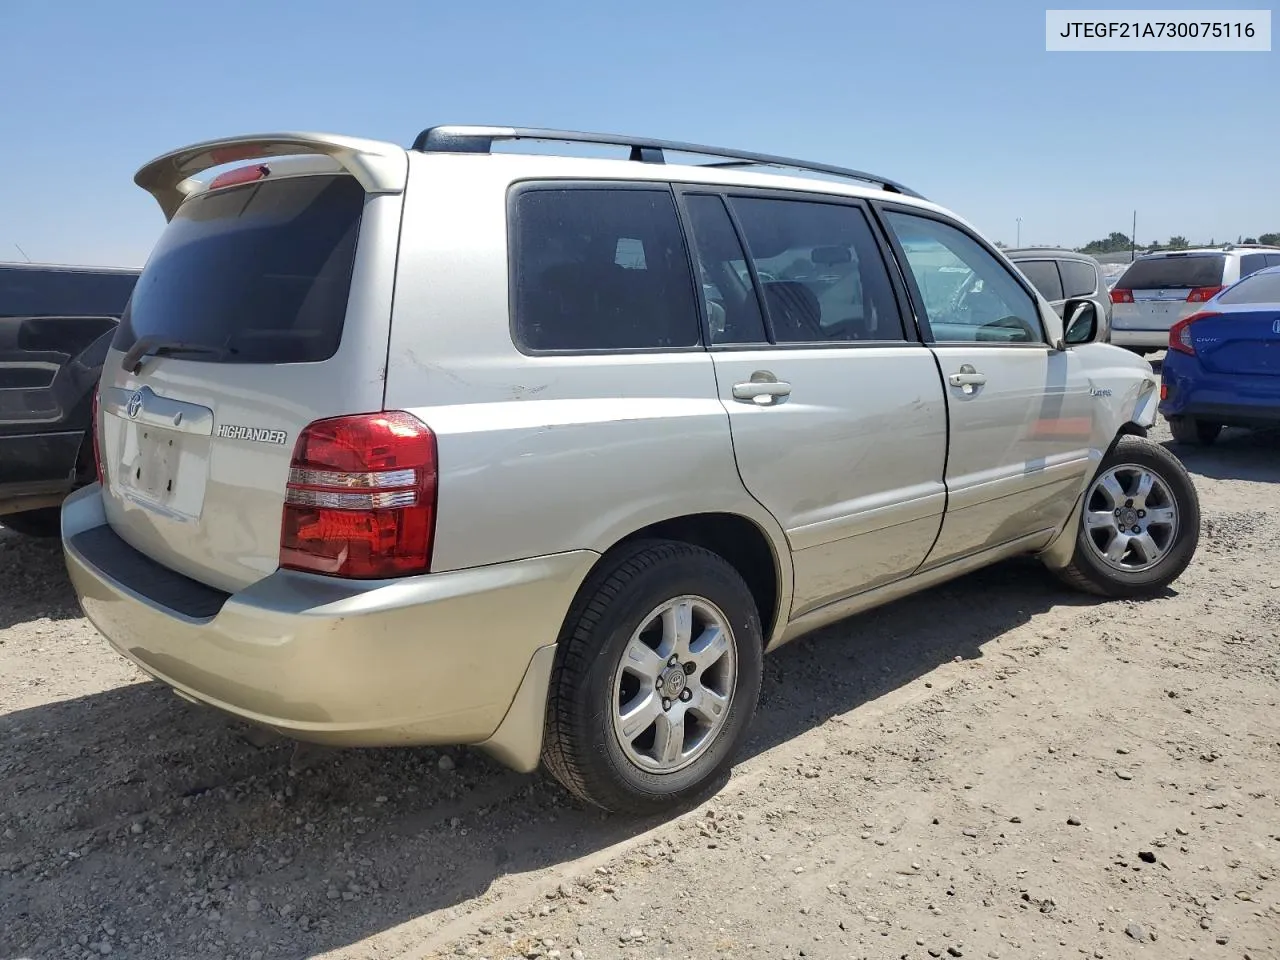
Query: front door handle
pixel 967 379
pixel 763 389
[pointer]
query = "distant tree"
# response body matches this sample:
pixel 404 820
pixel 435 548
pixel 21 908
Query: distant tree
pixel 1178 243
pixel 1000 244
pixel 1270 239
pixel 1249 240
pixel 1115 243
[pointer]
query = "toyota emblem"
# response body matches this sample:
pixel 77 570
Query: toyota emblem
pixel 135 405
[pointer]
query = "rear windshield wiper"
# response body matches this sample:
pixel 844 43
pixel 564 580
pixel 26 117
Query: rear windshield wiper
pixel 159 347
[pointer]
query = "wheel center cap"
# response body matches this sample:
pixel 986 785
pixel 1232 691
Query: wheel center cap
pixel 1128 517
pixel 673 681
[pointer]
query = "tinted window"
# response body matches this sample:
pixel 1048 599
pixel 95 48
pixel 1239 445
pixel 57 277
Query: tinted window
pixel 40 292
pixel 1043 274
pixel 1273 259
pixel 261 272
pixel 732 308
pixel 968 294
pixel 1252 262
pixel 1079 279
pixel 822 275
pixel 1258 288
pixel 1178 272
pixel 600 269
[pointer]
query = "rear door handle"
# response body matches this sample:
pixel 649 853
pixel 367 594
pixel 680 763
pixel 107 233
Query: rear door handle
pixel 761 392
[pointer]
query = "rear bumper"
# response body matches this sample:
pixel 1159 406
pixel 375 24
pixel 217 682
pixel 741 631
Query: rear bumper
pixel 37 469
pixel 436 659
pixel 1152 339
pixel 1236 400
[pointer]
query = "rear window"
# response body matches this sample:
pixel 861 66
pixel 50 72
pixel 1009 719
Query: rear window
pixel 1177 272
pixel 601 269
pixel 1079 279
pixel 1043 274
pixel 1256 288
pixel 261 272
pixel 39 292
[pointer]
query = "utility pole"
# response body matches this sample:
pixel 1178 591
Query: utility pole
pixel 1019 240
pixel 1133 239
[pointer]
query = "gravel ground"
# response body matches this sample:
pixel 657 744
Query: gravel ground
pixel 998 768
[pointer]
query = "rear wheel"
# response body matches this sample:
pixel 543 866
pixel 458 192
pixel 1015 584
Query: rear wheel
pixel 1140 523
pixel 656 679
pixel 1191 431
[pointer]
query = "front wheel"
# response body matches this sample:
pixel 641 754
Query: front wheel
pixel 1191 431
pixel 1140 523
pixel 656 678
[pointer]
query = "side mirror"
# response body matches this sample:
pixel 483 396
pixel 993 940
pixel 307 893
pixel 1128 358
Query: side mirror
pixel 1082 322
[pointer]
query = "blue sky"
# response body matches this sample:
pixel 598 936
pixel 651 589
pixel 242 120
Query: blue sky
pixel 964 106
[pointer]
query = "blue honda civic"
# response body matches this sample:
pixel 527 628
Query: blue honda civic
pixel 1222 368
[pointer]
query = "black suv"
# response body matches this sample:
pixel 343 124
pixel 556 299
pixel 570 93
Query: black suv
pixel 55 326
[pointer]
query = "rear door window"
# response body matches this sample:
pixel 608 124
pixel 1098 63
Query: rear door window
pixel 37 292
pixel 601 269
pixel 1079 279
pixel 1176 272
pixel 259 273
pixel 733 313
pixel 821 272
pixel 1043 275
pixel 1251 263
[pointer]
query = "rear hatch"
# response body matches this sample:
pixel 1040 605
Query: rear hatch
pixel 1156 292
pixel 265 306
pixel 1240 330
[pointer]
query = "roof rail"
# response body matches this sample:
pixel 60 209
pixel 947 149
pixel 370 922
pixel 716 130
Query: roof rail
pixel 467 139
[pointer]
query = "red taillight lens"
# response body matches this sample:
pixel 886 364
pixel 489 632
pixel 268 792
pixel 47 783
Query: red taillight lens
pixel 1180 334
pixel 1202 294
pixel 361 497
pixel 1122 296
pixel 95 430
pixel 240 175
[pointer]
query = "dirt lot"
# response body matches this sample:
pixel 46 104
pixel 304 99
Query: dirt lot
pixel 1000 768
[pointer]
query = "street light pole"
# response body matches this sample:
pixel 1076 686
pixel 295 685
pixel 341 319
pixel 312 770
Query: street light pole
pixel 1019 241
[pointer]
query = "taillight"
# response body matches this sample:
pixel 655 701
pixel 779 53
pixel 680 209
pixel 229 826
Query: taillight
pixel 1203 294
pixel 1122 296
pixel 361 497
pixel 94 430
pixel 1180 333
pixel 240 175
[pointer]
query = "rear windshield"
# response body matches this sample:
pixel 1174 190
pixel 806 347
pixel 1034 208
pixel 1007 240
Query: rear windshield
pixel 260 273
pixel 1160 272
pixel 39 292
pixel 1255 288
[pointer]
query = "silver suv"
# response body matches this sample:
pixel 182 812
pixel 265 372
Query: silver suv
pixel 1064 275
pixel 542 453
pixel 1160 289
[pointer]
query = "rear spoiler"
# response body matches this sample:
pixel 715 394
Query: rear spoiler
pixel 380 167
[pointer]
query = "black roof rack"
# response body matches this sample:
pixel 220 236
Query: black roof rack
pixel 464 139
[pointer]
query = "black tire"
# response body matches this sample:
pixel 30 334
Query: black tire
pixel 44 523
pixel 1088 572
pixel 580 747
pixel 1194 432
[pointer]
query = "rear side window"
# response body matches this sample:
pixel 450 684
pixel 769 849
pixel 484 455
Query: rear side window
pixel 1043 275
pixel 1177 272
pixel 36 292
pixel 1273 259
pixel 1079 279
pixel 1251 263
pixel 601 269
pixel 821 273
pixel 260 273
pixel 1258 288
pixel 733 313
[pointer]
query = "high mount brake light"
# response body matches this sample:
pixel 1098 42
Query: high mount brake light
pixel 361 497
pixel 240 175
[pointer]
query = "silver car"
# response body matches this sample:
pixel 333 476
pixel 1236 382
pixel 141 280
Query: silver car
pixel 1158 290
pixel 1063 275
pixel 543 453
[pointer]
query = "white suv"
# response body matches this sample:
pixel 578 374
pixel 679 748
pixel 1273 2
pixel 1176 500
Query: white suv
pixel 1158 290
pixel 540 453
